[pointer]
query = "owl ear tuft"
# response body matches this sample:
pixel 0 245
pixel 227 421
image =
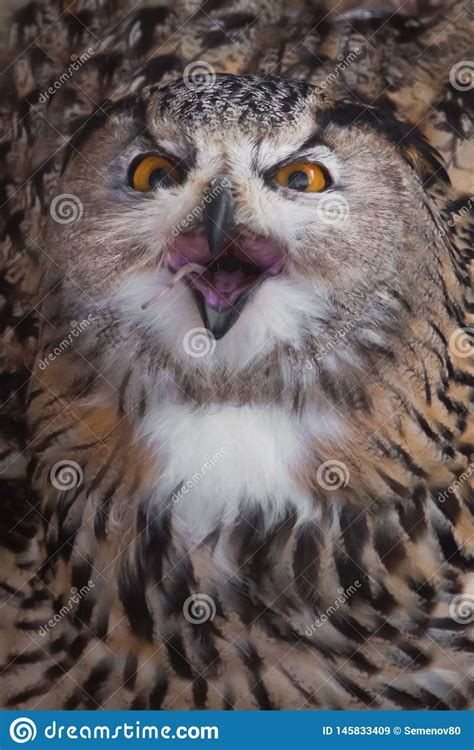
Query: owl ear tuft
pixel 408 140
pixel 130 106
pixel 414 147
pixel 423 158
pixel 82 133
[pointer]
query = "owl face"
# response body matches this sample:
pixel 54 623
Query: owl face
pixel 251 208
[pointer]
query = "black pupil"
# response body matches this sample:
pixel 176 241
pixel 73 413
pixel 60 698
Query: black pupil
pixel 298 180
pixel 160 177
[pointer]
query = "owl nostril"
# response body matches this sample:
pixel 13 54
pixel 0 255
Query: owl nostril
pixel 219 216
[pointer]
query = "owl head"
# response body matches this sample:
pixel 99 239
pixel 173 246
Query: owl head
pixel 257 210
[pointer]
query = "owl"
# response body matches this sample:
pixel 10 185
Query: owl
pixel 250 412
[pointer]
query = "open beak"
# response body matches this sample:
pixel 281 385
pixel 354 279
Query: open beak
pixel 219 221
pixel 226 263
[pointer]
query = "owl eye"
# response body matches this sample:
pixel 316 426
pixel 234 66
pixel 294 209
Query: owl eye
pixel 303 176
pixel 148 172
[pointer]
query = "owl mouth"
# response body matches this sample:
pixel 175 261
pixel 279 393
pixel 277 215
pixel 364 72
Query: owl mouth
pixel 223 285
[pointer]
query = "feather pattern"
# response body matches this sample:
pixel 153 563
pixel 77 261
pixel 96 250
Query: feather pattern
pixel 288 522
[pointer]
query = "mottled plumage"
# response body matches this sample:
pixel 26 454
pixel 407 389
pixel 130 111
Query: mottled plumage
pixel 285 520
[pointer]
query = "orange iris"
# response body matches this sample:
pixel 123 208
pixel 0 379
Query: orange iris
pixel 303 176
pixel 153 170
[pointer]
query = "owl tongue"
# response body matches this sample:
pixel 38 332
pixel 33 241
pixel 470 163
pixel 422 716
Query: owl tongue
pixel 221 296
pixel 223 285
pixel 221 289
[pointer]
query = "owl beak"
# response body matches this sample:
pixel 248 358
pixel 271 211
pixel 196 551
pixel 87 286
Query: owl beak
pixel 219 215
pixel 218 322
